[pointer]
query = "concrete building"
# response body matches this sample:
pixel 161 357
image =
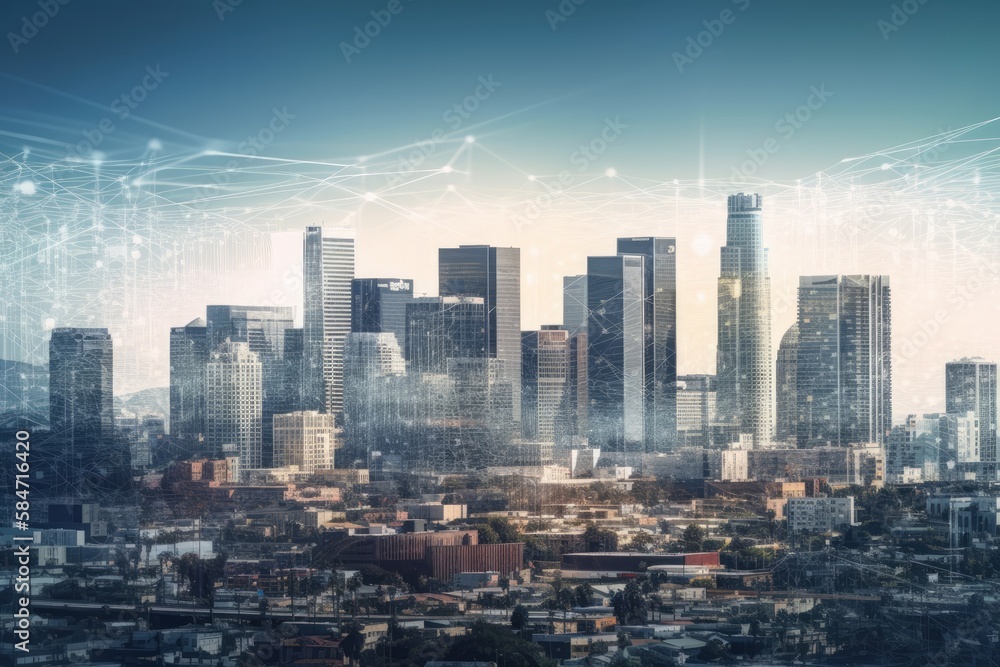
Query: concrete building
pixel 234 402
pixel 819 515
pixel 305 439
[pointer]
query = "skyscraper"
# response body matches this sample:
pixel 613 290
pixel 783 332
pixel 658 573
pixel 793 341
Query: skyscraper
pixel 264 329
pixel 844 365
pixel 494 274
pixel 971 386
pixel 544 383
pixel 378 305
pixel 695 410
pixel 575 304
pixel 745 370
pixel 617 343
pixel 577 397
pixel 327 271
pixel 374 386
pixel 188 358
pixel 234 402
pixel 660 286
pixel 81 410
pixel 442 328
pixel 785 379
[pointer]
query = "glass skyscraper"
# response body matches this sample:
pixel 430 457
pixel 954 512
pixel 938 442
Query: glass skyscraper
pixel 971 386
pixel 617 343
pixel 493 274
pixel 327 272
pixel 785 379
pixel 575 304
pixel 81 410
pixel 378 305
pixel 844 364
pixel 745 370
pixel 234 379
pixel 660 285
pixel 544 383
pixel 188 357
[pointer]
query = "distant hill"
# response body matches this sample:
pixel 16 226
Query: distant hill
pixel 154 401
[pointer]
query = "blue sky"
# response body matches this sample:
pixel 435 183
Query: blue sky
pixel 606 59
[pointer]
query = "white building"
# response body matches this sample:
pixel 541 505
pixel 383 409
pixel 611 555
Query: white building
pixel 819 514
pixel 234 402
pixel 305 439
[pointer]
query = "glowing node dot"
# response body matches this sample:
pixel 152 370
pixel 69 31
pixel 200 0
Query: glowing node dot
pixel 531 177
pixel 136 254
pixel 155 145
pixel 610 172
pixel 25 188
pixel 99 264
pixel 677 181
pixel 137 239
pixel 50 323
pixel 885 166
pixel 446 169
pixel 451 187
pixel 370 196
pixel 469 139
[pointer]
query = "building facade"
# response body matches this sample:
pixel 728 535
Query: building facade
pixel 327 272
pixel 660 374
pixel 305 439
pixel 378 305
pixel 616 358
pixel 234 402
pixel 544 383
pixel 844 361
pixel 188 358
pixel 745 371
pixel 971 385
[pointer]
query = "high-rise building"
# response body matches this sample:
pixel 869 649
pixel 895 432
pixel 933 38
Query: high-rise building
pixel 304 439
pixel 378 305
pixel 916 449
pixel 577 398
pixel 844 362
pixel 188 358
pixel 695 410
pixel 971 385
pixel 544 383
pixel 617 343
pixel 264 329
pixel 660 286
pixel 327 272
pixel 785 379
pixel 745 368
pixel 81 410
pixel 442 328
pixel 290 399
pixel 493 274
pixel 575 304
pixel 234 402
pixel 374 374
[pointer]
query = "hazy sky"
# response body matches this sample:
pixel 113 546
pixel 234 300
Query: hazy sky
pixel 535 85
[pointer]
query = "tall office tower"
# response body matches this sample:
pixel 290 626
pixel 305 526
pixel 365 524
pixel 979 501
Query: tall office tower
pixel 660 286
pixel 617 343
pixel 785 379
pixel 575 304
pixel 695 410
pixel 442 328
pixel 304 439
pixel 263 328
pixel 234 405
pixel 81 411
pixel 378 305
pixel 745 368
pixel 544 383
pixel 971 385
pixel 188 358
pixel 374 370
pixel 327 272
pixel 494 274
pixel 577 401
pixel 290 399
pixel 844 364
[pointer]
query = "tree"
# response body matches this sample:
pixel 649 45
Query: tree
pixel 630 605
pixel 490 643
pixel 599 539
pixel 692 538
pixel 519 618
pixel 583 593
